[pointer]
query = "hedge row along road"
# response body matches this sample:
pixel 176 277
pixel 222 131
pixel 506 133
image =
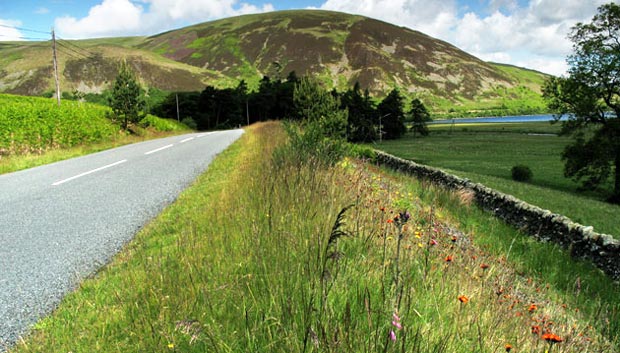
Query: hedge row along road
pixel 62 221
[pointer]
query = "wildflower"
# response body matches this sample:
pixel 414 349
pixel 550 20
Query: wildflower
pixel 463 299
pixel 536 330
pixel 392 336
pixel 449 258
pixel 390 220
pixel 433 242
pixel 484 266
pixel 550 337
pixel 405 216
pixel 171 345
pixel 532 308
pixel 418 234
pixel 508 347
pixel 382 209
pixel 454 238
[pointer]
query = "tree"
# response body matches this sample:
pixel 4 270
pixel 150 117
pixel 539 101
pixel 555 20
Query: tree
pixel 361 126
pixel 390 111
pixel 419 116
pixel 314 105
pixel 127 99
pixel 590 96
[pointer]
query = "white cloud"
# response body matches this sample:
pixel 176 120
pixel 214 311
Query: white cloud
pixel 434 18
pixel 111 17
pixel 131 17
pixel 7 32
pixel 42 11
pixel 502 28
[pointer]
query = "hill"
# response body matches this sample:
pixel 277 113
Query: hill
pixel 339 48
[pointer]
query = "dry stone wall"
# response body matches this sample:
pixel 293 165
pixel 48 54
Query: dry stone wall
pixel 582 242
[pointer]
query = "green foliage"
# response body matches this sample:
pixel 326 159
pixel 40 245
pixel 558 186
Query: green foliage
pixel 314 105
pixel 392 116
pixel 363 120
pixel 521 172
pixel 127 97
pixel 587 95
pixel 419 117
pixel 159 124
pixel 29 124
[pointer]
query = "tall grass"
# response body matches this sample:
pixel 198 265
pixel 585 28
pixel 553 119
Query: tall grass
pixel 291 256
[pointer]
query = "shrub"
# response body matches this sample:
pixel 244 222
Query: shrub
pixel 521 173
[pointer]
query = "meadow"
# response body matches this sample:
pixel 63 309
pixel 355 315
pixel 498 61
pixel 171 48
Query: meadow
pixel 486 153
pixel 269 253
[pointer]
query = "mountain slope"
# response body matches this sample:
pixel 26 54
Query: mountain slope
pixel 339 48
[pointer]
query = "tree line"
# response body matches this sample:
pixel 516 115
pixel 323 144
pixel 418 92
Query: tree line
pixel 220 108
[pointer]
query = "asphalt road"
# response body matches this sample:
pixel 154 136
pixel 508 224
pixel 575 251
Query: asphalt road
pixel 60 222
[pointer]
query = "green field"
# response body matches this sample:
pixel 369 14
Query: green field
pixel 485 153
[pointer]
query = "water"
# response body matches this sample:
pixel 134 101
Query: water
pixel 499 119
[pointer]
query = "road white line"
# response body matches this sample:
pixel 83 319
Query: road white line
pixel 203 135
pixel 159 149
pixel 187 139
pixel 89 172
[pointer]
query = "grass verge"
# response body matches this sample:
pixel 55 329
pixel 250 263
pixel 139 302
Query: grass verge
pixel 268 255
pixel 15 163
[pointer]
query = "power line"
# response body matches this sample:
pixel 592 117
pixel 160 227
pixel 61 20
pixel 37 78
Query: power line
pixel 25 38
pixel 77 47
pixel 24 29
pixel 68 48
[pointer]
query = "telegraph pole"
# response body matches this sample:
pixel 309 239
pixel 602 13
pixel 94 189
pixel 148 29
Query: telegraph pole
pixel 55 66
pixel 178 115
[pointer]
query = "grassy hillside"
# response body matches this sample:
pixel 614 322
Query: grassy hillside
pixel 340 49
pixel 264 255
pixel 486 153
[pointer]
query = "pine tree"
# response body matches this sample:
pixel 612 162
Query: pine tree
pixel 127 99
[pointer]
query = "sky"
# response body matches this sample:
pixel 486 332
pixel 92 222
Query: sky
pixel 526 33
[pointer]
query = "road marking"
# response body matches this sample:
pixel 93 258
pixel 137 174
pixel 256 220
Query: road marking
pixel 203 135
pixel 89 172
pixel 187 139
pixel 159 149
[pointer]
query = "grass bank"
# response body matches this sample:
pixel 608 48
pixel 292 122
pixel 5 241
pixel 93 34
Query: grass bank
pixel 282 255
pixel 486 153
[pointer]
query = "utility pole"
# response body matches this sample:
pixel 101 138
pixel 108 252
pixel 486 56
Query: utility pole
pixel 247 111
pixel 178 116
pixel 55 67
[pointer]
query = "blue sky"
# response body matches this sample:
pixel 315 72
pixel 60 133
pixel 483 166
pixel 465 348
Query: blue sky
pixel 528 33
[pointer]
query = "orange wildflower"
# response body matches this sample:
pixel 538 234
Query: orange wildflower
pixel 550 337
pixel 463 299
pixel 390 220
pixel 484 266
pixel 536 330
pixel 532 308
pixel 508 347
pixel 449 258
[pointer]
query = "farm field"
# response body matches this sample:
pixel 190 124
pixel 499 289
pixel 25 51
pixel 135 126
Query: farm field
pixel 486 153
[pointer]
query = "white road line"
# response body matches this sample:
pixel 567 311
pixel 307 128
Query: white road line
pixel 187 139
pixel 203 135
pixel 159 149
pixel 89 172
